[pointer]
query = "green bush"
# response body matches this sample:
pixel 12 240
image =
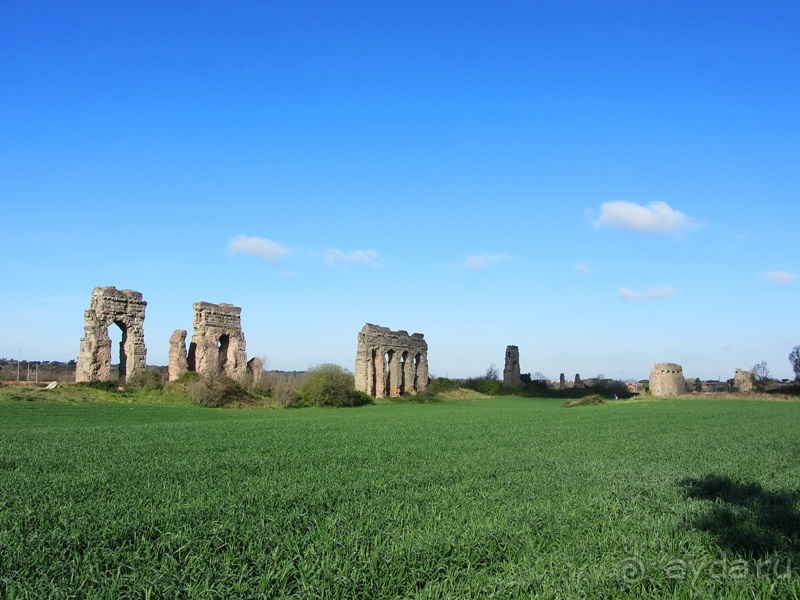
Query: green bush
pixel 218 391
pixel 484 385
pixel 188 377
pixel 148 379
pixel 585 401
pixel 283 387
pixel 437 385
pixel 331 385
pixel 108 386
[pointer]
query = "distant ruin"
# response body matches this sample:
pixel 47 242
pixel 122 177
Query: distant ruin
pixel 511 376
pixel 217 346
pixel 744 381
pixel 666 379
pixel 391 363
pixel 110 306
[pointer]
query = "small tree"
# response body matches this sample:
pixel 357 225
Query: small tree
pixel 761 375
pixel 331 385
pixel 794 359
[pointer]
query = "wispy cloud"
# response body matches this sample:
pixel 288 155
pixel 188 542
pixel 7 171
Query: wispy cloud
pixel 779 276
pixel 369 258
pixel 656 217
pixel 659 292
pixel 263 248
pixel 483 261
pixel 583 268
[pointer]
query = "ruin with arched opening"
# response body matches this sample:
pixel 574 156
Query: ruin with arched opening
pixel 217 346
pixel 391 363
pixel 666 379
pixel 110 306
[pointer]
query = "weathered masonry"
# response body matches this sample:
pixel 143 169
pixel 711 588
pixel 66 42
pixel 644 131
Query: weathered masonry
pixel 744 381
pixel 110 306
pixel 666 379
pixel 391 363
pixel 511 370
pixel 217 346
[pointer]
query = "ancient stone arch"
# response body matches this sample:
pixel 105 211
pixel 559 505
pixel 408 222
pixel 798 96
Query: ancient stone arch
pixel 666 379
pixel 217 347
pixel 391 363
pixel 110 306
pixel 511 371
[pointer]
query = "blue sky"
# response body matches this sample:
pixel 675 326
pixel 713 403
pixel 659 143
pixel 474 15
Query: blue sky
pixel 604 184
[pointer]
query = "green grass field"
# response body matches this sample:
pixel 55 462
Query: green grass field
pixel 491 498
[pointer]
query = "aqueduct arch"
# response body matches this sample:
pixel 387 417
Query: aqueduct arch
pixel 217 346
pixel 390 363
pixel 110 306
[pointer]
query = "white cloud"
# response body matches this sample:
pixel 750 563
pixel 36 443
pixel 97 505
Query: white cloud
pixel 583 268
pixel 659 292
pixel 779 276
pixel 656 217
pixel 369 258
pixel 263 248
pixel 483 261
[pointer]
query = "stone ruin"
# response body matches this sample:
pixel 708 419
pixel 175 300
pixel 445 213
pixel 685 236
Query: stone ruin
pixel 666 379
pixel 110 306
pixel 744 381
pixel 511 375
pixel 217 346
pixel 391 363
pixel 578 383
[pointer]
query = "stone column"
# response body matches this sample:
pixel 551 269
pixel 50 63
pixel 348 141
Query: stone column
pixel 511 375
pixel 178 362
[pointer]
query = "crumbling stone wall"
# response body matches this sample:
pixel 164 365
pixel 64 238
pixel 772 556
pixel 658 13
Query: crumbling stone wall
pixel 744 381
pixel 255 371
pixel 511 371
pixel 178 360
pixel 110 306
pixel 391 363
pixel 217 347
pixel 666 379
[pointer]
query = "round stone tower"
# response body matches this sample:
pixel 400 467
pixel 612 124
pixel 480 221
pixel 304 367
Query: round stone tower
pixel 666 379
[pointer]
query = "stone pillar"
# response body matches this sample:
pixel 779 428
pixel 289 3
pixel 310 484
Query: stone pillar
pixel 255 371
pixel 409 372
pixel 562 383
pixel 421 383
pixel 578 382
pixel 178 362
pixel 395 372
pixel 511 370
pixel 380 373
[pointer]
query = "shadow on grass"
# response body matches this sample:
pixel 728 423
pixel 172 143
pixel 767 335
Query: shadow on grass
pixel 745 518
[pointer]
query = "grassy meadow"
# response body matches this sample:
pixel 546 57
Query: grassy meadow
pixel 487 498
